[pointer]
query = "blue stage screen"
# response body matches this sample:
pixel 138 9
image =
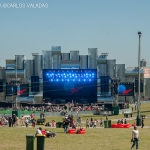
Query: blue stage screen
pixel 70 84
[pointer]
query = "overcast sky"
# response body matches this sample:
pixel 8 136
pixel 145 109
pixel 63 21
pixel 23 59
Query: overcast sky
pixel 109 25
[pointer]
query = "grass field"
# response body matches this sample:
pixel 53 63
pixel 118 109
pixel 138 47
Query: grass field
pixel 99 138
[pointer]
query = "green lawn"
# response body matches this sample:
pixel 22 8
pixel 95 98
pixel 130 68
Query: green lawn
pixel 99 138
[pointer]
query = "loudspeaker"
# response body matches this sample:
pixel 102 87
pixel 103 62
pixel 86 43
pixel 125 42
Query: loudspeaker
pixel 1 86
pixel 35 83
pixel 136 85
pixel 104 84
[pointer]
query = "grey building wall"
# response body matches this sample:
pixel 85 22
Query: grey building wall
pixel 92 58
pixel 47 59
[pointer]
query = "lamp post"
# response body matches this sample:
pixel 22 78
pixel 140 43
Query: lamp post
pixel 16 85
pixel 138 123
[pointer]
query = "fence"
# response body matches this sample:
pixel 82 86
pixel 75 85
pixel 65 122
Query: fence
pixel 124 111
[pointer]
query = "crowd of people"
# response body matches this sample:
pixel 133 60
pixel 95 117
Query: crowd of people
pixel 93 123
pixel 13 120
pixel 70 122
pixel 58 108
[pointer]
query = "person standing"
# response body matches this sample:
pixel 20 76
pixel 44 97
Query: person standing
pixel 142 123
pixel 17 121
pixel 135 137
pixel 95 123
pixel 87 123
pixel 79 121
pixel 14 119
pixel 22 121
pixel 66 124
pixel 106 116
pixel 10 121
pixel 132 109
pixel 101 122
pixel 33 122
pixel 91 123
pixel 26 122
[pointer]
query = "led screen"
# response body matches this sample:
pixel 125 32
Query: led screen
pixel 11 89
pixel 23 90
pixel 79 85
pixel 126 89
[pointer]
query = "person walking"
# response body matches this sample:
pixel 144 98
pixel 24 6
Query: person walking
pixel 142 123
pixel 135 137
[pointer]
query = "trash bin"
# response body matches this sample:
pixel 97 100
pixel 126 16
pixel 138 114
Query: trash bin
pixel 115 110
pixel 138 121
pixel 107 123
pixel 29 142
pixel 40 142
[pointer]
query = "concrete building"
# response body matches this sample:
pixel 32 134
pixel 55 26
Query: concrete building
pixel 56 59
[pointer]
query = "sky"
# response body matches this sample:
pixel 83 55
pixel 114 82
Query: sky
pixel 110 25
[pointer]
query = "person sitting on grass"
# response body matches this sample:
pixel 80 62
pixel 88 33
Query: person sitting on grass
pixel 48 124
pixel 53 124
pixel 122 121
pixel 38 131
pixel 118 122
pixel 125 121
pixel 50 134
